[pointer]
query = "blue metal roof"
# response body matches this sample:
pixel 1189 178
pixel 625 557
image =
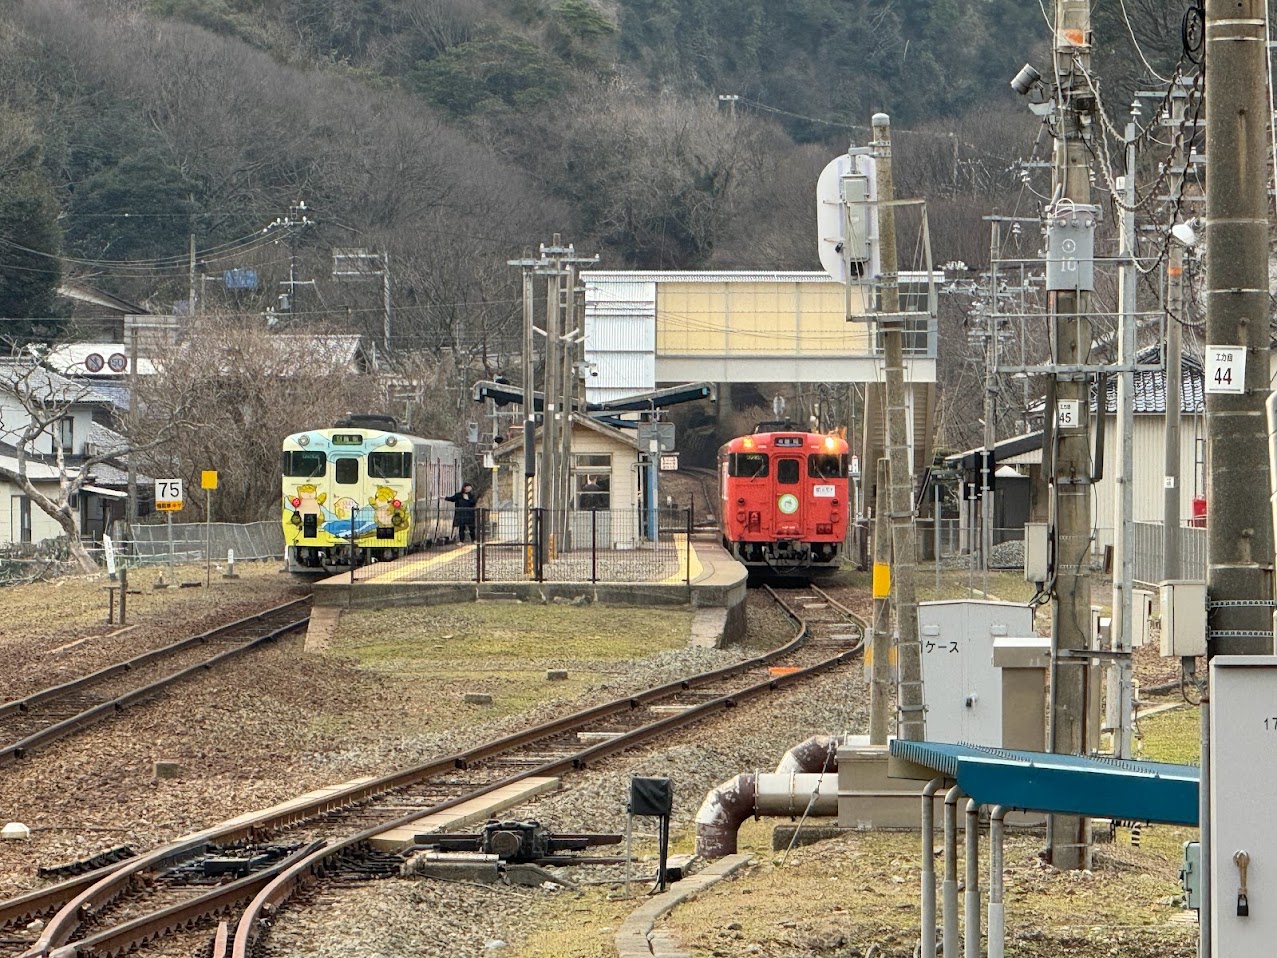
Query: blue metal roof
pixel 1063 784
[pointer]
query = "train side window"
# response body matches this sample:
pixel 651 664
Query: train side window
pixel 827 467
pixel 786 472
pixel 390 465
pixel 747 465
pixel 308 463
pixel 347 471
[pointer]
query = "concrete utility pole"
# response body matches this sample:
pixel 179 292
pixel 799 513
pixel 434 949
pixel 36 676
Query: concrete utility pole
pixel 1239 532
pixel 1071 226
pixel 1239 565
pixel 990 333
pixel 1124 511
pixel 911 719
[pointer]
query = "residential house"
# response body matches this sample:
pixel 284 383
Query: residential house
pixel 75 436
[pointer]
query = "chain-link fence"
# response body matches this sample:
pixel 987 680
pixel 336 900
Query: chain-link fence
pixel 180 542
pixel 543 545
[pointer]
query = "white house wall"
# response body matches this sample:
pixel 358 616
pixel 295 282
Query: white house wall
pixel 1148 442
pixel 42 526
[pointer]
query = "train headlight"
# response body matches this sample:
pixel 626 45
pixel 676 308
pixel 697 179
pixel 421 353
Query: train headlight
pixel 391 441
pixel 303 440
pixel 830 442
pixel 747 442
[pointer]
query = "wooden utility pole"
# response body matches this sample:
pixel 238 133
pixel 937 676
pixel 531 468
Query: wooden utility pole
pixel 1070 239
pixel 911 719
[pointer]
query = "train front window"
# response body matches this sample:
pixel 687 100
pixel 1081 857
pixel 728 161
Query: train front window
pixel 390 465
pixel 306 463
pixel 827 467
pixel 747 465
pixel 786 472
pixel 347 471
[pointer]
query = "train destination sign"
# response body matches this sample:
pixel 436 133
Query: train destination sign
pixel 788 441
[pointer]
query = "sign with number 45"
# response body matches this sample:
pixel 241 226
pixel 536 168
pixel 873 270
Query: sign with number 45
pixel 1068 414
pixel 1226 369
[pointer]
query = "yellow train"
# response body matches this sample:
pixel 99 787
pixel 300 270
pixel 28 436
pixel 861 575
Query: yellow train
pixel 364 491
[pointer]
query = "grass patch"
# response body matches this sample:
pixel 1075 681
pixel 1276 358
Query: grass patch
pixel 1174 736
pixel 412 639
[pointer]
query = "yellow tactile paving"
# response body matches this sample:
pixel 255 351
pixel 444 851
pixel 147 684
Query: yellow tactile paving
pixel 414 567
pixel 680 543
pixel 467 813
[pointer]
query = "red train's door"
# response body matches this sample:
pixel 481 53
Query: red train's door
pixel 789 499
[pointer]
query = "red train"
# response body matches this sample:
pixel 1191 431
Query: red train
pixel 784 498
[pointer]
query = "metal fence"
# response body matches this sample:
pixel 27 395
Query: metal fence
pixel 542 545
pixel 180 542
pixel 1149 558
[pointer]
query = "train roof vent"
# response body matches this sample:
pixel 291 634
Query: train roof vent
pixel 367 421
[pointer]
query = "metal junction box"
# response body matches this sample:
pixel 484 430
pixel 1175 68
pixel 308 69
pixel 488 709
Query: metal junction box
pixel 961 687
pixel 1190 875
pixel 1183 603
pixel 1243 781
pixel 1070 247
pixel 1037 558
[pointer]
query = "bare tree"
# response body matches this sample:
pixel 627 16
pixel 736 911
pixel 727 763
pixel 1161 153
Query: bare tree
pixel 37 402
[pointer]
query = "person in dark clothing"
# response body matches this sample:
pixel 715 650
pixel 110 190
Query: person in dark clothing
pixel 463 516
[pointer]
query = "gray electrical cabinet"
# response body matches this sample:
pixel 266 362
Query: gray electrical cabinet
pixel 1070 247
pixel 1243 781
pixel 961 686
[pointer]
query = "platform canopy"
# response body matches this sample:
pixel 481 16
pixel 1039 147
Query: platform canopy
pixel 1057 784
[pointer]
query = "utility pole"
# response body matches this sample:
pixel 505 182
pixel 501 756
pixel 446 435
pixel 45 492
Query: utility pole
pixel 1070 278
pixel 1240 535
pixel 880 669
pixel 1172 503
pixel 990 333
pixel 911 719
pixel 548 466
pixel 1124 511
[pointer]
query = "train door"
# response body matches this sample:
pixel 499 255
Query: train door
pixel 789 498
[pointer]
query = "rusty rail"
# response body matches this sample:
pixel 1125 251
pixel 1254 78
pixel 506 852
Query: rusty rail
pixel 90 893
pixel 15 750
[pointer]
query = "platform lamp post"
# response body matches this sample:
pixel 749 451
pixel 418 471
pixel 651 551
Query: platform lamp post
pixel 360 264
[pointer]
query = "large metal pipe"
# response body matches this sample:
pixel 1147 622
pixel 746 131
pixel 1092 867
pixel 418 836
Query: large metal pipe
pixel 949 888
pixel 927 933
pixel 753 795
pixel 997 915
pixel 971 947
pixel 818 754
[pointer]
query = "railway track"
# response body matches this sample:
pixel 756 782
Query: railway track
pixel 113 910
pixel 54 713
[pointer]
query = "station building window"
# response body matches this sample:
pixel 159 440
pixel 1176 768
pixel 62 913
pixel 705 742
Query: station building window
pixel 592 481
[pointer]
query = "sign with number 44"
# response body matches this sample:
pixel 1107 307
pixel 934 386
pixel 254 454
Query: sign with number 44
pixel 1226 369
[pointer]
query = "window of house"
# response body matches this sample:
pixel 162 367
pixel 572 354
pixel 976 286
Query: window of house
pixel 66 434
pixel 786 472
pixel 20 517
pixel 593 480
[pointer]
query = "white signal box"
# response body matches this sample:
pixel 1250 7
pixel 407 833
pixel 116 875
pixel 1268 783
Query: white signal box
pixel 1243 780
pixel 1183 604
pixel 168 495
pixel 961 686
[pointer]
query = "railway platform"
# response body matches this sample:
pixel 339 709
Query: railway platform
pixel 694 573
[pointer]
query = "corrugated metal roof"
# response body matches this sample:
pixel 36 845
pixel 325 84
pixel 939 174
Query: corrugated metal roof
pixel 1063 784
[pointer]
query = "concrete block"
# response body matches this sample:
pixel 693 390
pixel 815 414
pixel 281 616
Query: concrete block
pixel 556 675
pixel 15 832
pixel 424 866
pixel 165 769
pixel 477 698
